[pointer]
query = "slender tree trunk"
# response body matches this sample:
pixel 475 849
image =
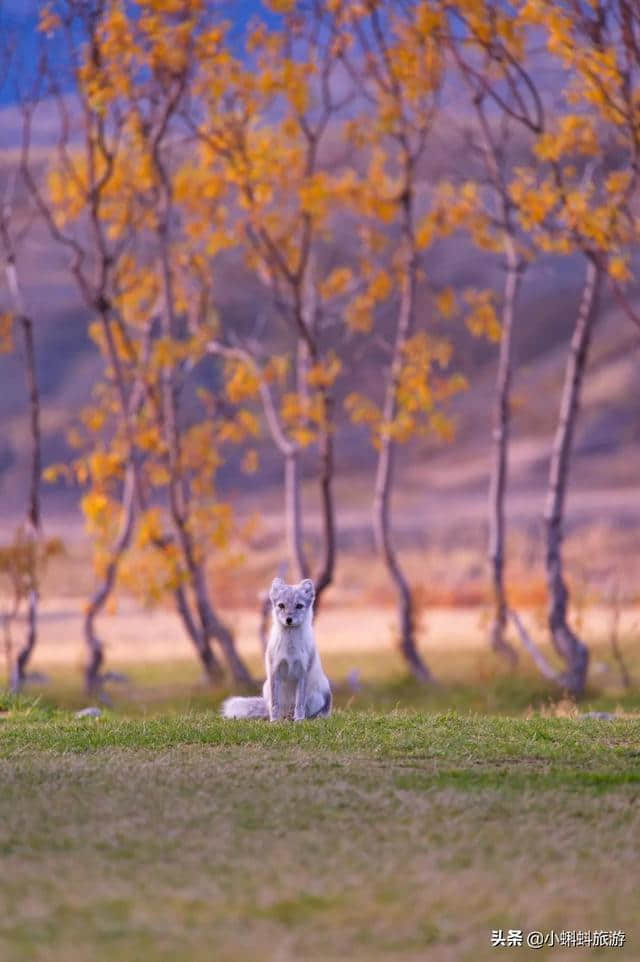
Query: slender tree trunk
pixel 216 628
pixel 7 619
pixel 498 480
pixel 302 353
pixel 325 575
pixel 573 651
pixel 95 648
pixel 408 647
pixel 210 664
pixel 34 423
pixel 33 527
pixel 179 494
pixel 19 673
pixel 212 626
pixel 307 316
pixel 307 321
pixel 133 496
pixel 293 513
pixel 494 161
pixel 384 481
pixel 34 532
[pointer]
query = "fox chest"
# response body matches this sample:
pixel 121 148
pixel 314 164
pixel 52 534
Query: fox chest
pixel 289 660
pixel 289 667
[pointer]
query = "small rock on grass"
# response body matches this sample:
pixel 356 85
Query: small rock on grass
pixel 602 715
pixel 91 712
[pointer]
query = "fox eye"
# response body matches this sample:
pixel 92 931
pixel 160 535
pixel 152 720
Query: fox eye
pixel 280 605
pixel 299 606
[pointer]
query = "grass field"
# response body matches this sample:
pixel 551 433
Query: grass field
pixel 405 828
pixel 397 836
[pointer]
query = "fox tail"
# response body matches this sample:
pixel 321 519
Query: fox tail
pixel 244 708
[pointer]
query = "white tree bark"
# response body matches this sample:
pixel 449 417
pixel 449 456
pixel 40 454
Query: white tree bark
pixel 385 472
pixel 499 467
pixel 568 645
pixel 33 523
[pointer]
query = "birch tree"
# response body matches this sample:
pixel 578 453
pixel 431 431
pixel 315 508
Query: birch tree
pixel 495 128
pixel 568 208
pixel 114 186
pixel 398 66
pixel 29 545
pixel 264 133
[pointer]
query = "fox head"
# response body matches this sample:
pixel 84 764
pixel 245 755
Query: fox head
pixel 291 604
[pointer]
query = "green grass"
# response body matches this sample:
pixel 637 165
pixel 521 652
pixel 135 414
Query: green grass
pixel 468 681
pixel 401 836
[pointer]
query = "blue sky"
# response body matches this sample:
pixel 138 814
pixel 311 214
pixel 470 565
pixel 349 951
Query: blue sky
pixel 21 17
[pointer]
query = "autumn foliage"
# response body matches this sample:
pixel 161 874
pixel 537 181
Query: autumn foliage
pixel 299 150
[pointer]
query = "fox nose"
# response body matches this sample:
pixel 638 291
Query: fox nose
pixel 289 620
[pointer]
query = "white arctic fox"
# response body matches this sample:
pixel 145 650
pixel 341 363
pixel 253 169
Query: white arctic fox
pixel 296 686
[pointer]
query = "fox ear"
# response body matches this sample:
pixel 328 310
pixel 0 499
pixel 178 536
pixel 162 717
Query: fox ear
pixel 307 588
pixel 276 586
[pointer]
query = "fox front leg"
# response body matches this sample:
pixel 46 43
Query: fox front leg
pixel 275 713
pixel 299 713
pixel 277 678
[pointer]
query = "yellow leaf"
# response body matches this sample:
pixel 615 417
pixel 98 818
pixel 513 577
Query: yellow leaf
pixel 250 461
pixel 380 287
pixel 359 314
pixel 446 302
pixel 482 319
pixel 54 472
pixel 324 375
pixel 618 267
pixel 241 383
pixel 336 283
